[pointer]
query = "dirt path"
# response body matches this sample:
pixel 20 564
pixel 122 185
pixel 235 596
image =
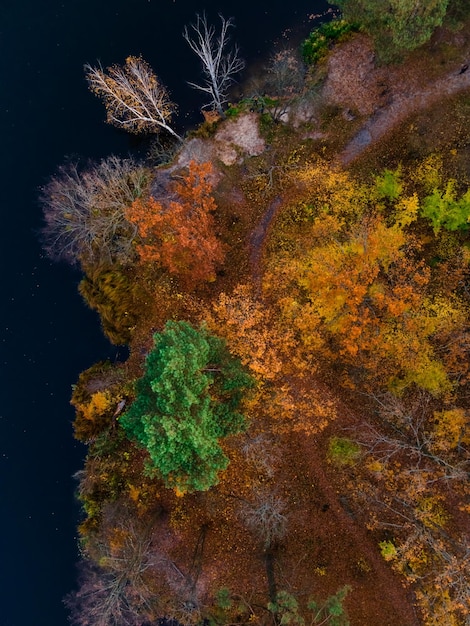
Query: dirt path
pixel 395 600
pixel 379 124
pixel 258 239
pixel 401 106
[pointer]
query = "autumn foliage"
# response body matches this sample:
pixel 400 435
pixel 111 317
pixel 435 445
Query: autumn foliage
pixel 134 97
pixel 359 291
pixel 179 233
pixel 296 427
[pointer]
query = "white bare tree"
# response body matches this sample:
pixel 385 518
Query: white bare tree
pixel 134 97
pixel 219 64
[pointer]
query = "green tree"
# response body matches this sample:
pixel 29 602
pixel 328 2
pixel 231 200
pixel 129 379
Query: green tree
pixel 396 24
pixel 286 609
pixel 444 210
pixel 188 398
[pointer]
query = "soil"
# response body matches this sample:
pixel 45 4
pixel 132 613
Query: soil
pixel 385 96
pixel 379 594
pixel 401 106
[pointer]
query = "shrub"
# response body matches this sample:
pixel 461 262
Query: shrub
pixel 321 39
pixel 343 451
pixel 444 210
pixel 388 185
pixel 111 293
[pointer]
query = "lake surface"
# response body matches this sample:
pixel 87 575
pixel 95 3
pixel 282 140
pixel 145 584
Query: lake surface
pixel 47 335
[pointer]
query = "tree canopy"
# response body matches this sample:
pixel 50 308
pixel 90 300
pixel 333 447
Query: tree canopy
pixel 396 24
pixel 179 232
pixel 134 97
pixel 187 399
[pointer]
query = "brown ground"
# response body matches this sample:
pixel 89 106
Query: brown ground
pixel 385 96
pixel 325 548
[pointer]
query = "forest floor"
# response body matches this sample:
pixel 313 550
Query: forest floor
pixel 383 96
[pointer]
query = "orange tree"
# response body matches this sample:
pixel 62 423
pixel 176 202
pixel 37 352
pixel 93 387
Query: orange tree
pixel 179 234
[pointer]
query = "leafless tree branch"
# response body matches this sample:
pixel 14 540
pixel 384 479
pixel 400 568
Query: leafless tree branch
pixel 219 65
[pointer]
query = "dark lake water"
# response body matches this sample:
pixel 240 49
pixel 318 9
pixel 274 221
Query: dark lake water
pixel 47 335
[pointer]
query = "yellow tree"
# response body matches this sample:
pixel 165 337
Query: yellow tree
pixel 358 291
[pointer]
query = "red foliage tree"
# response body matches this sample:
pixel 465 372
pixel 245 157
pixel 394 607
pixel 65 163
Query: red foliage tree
pixel 179 234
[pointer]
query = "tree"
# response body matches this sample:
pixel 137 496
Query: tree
pixel 134 98
pixel 396 24
pixel 84 211
pixel 443 209
pixel 264 517
pixel 187 399
pixel 179 233
pixel 219 65
pixel 364 295
pixel 283 81
pixel 433 442
pixel 116 584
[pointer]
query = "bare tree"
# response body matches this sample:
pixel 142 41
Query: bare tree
pixel 262 454
pixel 119 591
pixel 134 97
pixel 406 430
pixel 285 81
pixel 264 517
pixel 106 597
pixel 219 65
pixel 84 212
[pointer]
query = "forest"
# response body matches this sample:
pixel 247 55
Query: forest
pixel 288 441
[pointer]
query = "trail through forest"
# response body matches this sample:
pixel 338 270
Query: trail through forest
pixel 401 106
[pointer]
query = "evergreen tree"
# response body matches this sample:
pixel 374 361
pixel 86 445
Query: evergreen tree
pixel 187 399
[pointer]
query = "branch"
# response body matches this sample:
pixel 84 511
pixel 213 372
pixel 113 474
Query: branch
pixel 218 65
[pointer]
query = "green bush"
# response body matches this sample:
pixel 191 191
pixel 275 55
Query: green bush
pixel 287 611
pixel 395 25
pixel 321 39
pixel 444 210
pixel 343 451
pixel 223 598
pixel 388 185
